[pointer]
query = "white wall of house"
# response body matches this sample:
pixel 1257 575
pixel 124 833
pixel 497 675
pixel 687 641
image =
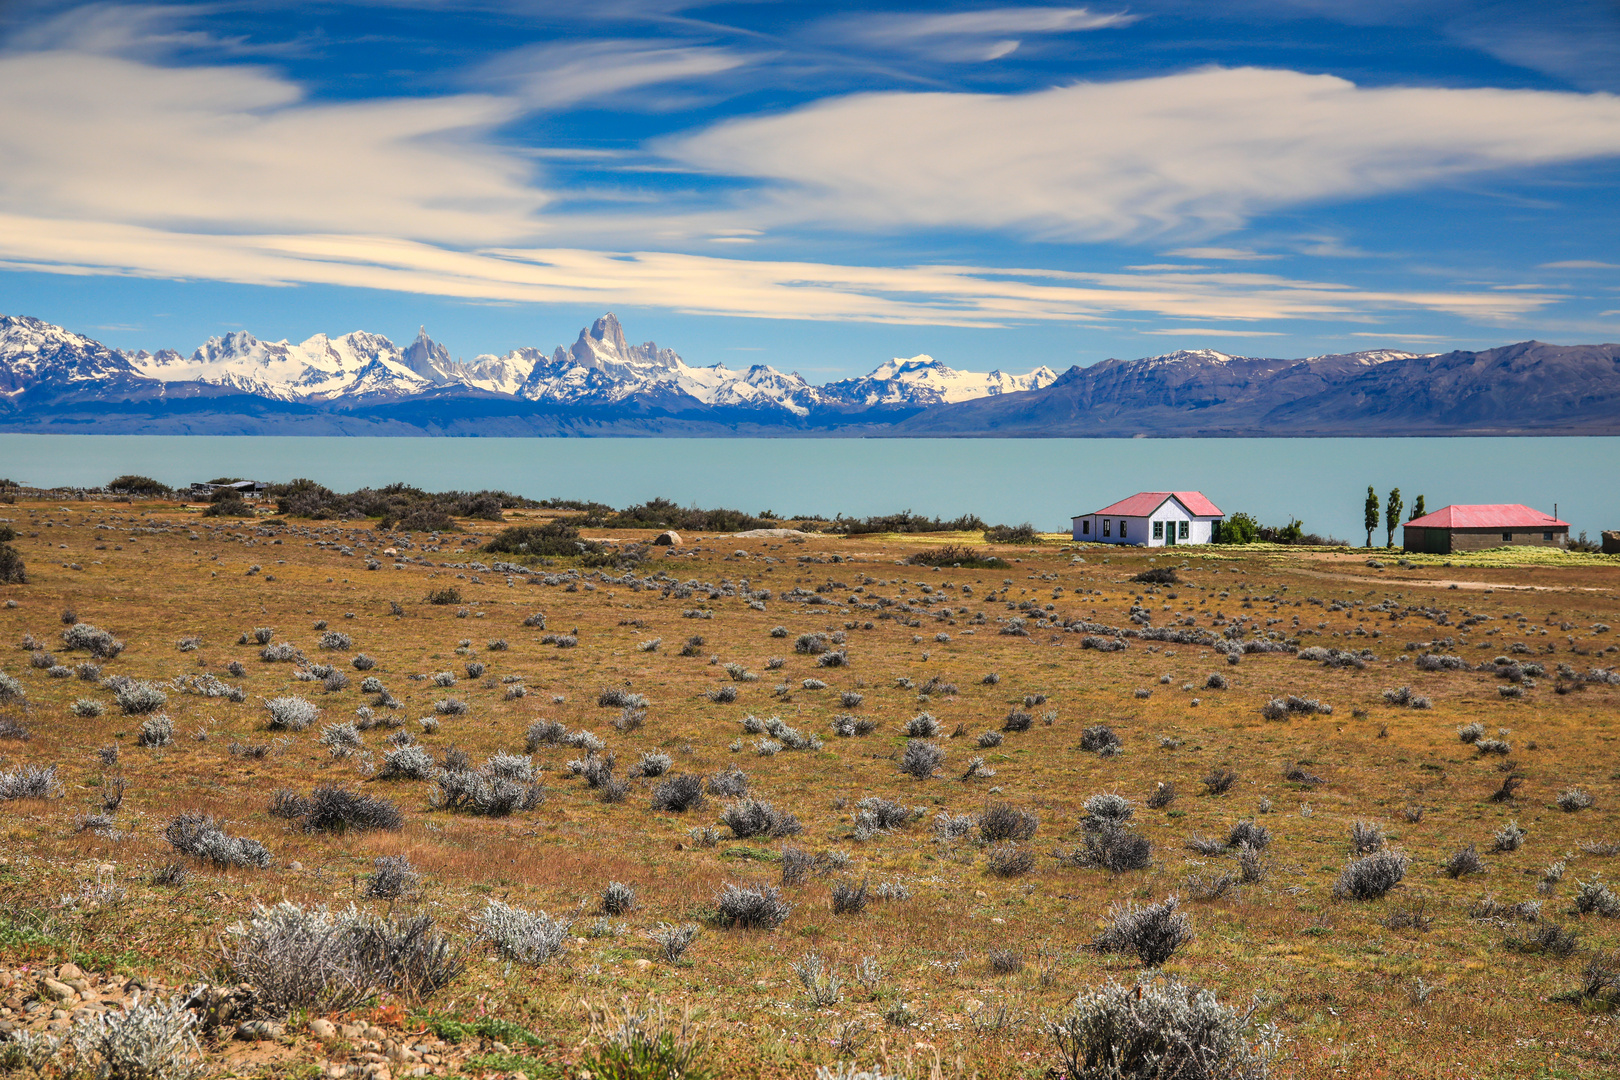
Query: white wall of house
pixel 1163 528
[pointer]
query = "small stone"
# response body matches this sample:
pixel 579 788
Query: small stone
pixel 295 865
pixel 980 894
pixel 500 1047
pixel 376 1071
pixel 259 1031
pixel 998 921
pixel 353 1031
pixel 323 1029
pixel 69 971
pixel 55 990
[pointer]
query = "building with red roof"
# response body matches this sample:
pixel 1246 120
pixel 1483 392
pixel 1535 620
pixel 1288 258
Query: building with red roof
pixel 1152 519
pixel 1475 528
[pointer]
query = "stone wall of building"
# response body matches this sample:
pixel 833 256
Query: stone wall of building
pixel 1480 539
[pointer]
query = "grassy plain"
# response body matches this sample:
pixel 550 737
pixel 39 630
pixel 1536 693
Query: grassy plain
pixel 1346 990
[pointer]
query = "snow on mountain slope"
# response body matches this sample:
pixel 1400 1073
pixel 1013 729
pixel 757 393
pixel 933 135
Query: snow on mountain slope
pixel 601 368
pixel 1210 356
pixel 922 380
pixel 1370 356
pixel 320 368
pixel 35 353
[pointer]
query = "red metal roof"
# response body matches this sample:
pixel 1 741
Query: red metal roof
pixel 1144 503
pixel 1488 516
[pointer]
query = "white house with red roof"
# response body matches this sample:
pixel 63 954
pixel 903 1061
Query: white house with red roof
pixel 1152 519
pixel 1475 528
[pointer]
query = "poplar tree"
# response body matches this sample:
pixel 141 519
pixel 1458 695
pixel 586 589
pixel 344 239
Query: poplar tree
pixel 1370 518
pixel 1417 508
pixel 1392 517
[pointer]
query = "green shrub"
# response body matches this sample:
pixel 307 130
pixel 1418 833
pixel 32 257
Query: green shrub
pixel 1237 529
pixel 131 484
pixel 13 571
pixel 905 522
pixel 664 514
pixel 1011 534
pixel 639 1042
pixel 552 538
pixel 956 555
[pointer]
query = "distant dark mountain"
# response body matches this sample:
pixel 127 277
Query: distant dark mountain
pixel 52 379
pixel 1527 389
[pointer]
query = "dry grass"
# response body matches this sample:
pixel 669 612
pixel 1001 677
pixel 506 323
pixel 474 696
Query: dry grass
pixel 1331 974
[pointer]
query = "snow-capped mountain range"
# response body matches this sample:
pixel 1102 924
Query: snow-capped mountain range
pixel 52 379
pixel 600 368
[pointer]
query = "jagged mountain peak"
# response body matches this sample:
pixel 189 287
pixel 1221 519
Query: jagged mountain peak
pixel 608 331
pixel 427 358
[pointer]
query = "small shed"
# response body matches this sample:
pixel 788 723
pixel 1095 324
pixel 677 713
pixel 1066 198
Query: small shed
pixel 245 488
pixel 1152 519
pixel 1475 528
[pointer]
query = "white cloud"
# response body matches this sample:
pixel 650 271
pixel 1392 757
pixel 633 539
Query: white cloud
pixel 1206 331
pixel 98 138
pixel 115 166
pixel 1195 153
pixel 1579 264
pixel 1227 253
pixel 556 76
pixel 968 296
pixel 965 36
pixel 990 22
pixel 126 30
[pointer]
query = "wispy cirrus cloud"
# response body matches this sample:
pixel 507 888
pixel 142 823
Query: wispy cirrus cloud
pixel 984 34
pixel 555 76
pixel 1579 264
pixel 135 30
pixel 940 295
pixel 1210 331
pixel 1231 254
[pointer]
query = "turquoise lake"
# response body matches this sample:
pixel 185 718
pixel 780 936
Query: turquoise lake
pixel 1045 481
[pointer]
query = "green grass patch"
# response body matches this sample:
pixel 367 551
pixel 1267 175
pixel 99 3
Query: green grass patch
pixel 753 854
pixel 453 1029
pixel 26 929
pixel 531 1067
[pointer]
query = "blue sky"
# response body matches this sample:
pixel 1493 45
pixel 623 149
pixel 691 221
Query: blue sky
pixel 818 186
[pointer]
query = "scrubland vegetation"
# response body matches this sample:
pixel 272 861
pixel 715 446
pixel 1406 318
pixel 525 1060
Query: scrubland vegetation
pixel 287 794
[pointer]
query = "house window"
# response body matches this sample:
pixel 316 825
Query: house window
pixel 1122 528
pixel 1508 537
pixel 1107 527
pixel 1158 530
pixel 1183 531
pixel 1085 528
pixel 1546 536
